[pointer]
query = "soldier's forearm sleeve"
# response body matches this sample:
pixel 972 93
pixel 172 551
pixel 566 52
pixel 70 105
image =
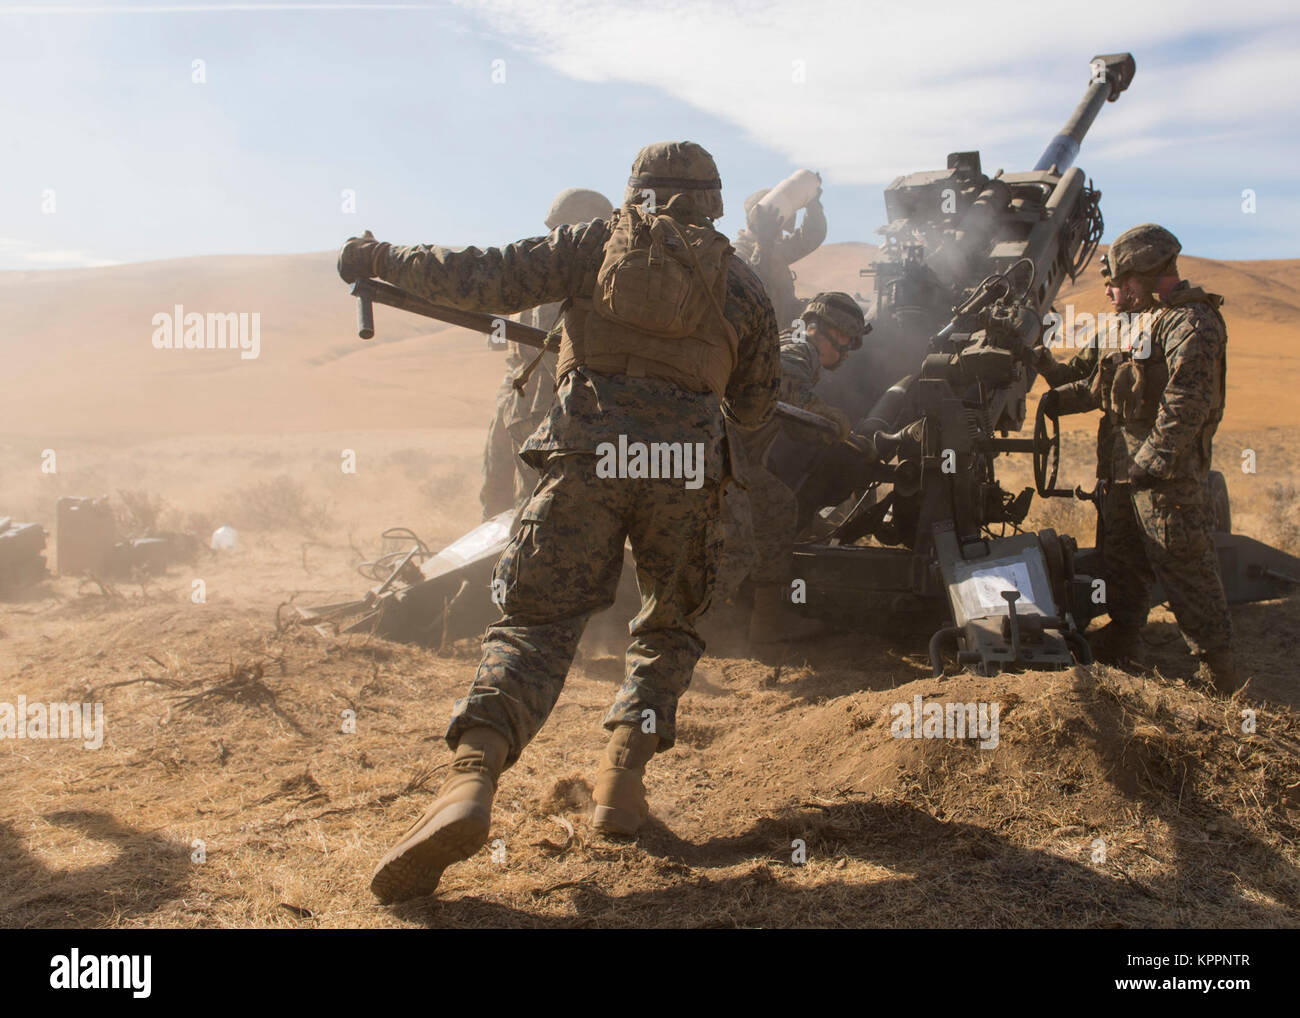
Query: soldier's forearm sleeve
pixel 1077 398
pixel 538 270
pixel 798 375
pixel 1060 373
pixel 807 237
pixel 1195 358
pixel 753 387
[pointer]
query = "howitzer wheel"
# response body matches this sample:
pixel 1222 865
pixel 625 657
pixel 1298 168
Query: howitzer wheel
pixel 1047 454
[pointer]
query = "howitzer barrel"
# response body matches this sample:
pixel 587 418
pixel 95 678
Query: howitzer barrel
pixel 1111 75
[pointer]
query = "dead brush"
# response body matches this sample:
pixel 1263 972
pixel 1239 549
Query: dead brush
pixel 243 684
pixel 138 512
pixel 1284 516
pixel 442 489
pixel 278 504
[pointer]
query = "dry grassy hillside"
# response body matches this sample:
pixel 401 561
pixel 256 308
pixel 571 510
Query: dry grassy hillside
pixel 223 721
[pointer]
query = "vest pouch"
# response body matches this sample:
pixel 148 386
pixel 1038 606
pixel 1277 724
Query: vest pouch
pixel 651 291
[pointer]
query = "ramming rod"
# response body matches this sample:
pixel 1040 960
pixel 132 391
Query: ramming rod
pixel 372 291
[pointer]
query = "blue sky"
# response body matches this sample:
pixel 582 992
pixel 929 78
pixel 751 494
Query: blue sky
pixel 398 103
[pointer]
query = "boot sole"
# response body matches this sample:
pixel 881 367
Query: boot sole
pixel 414 867
pixel 612 820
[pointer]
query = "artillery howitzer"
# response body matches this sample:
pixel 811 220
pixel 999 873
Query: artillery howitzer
pixel 970 267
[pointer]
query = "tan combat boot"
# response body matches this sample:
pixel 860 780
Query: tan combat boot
pixel 774 621
pixel 1120 645
pixel 620 795
pixel 1219 669
pixel 453 828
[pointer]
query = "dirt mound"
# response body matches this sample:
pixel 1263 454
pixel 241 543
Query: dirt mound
pixel 1086 773
pixel 252 776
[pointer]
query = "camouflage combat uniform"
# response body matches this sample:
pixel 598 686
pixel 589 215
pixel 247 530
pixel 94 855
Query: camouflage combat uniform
pixel 563 564
pixel 507 480
pixel 760 521
pixel 772 261
pixel 1165 531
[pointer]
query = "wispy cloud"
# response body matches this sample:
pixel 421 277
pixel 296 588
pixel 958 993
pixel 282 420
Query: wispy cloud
pixel 199 8
pixel 890 88
pixel 19 252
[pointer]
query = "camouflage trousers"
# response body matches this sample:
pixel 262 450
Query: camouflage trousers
pixel 1167 535
pixel 507 479
pixel 759 533
pixel 562 566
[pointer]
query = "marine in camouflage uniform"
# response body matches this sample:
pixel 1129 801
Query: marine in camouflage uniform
pixel 507 479
pixel 760 537
pixel 771 251
pixel 563 563
pixel 1163 409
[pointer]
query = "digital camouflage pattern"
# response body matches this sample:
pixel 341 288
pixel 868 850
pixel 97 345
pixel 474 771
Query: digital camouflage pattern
pixel 507 479
pixel 1171 433
pixel 563 565
pixel 1167 531
pixel 564 561
pixel 840 311
pixel 771 259
pixel 591 408
pixel 1141 250
pixel 762 522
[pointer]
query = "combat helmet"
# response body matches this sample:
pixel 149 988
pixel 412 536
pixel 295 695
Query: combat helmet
pixel 670 168
pixel 577 205
pixel 840 311
pixel 1145 250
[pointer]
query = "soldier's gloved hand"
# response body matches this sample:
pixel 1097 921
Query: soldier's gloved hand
pixel 841 419
pixel 358 258
pixel 1041 358
pixel 1051 403
pixel 1141 479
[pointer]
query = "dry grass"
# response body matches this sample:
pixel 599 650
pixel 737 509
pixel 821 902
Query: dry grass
pixel 228 793
pixel 281 503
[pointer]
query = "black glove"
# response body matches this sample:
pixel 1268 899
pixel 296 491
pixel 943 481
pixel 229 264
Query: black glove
pixel 1051 403
pixel 841 420
pixel 1141 479
pixel 359 258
